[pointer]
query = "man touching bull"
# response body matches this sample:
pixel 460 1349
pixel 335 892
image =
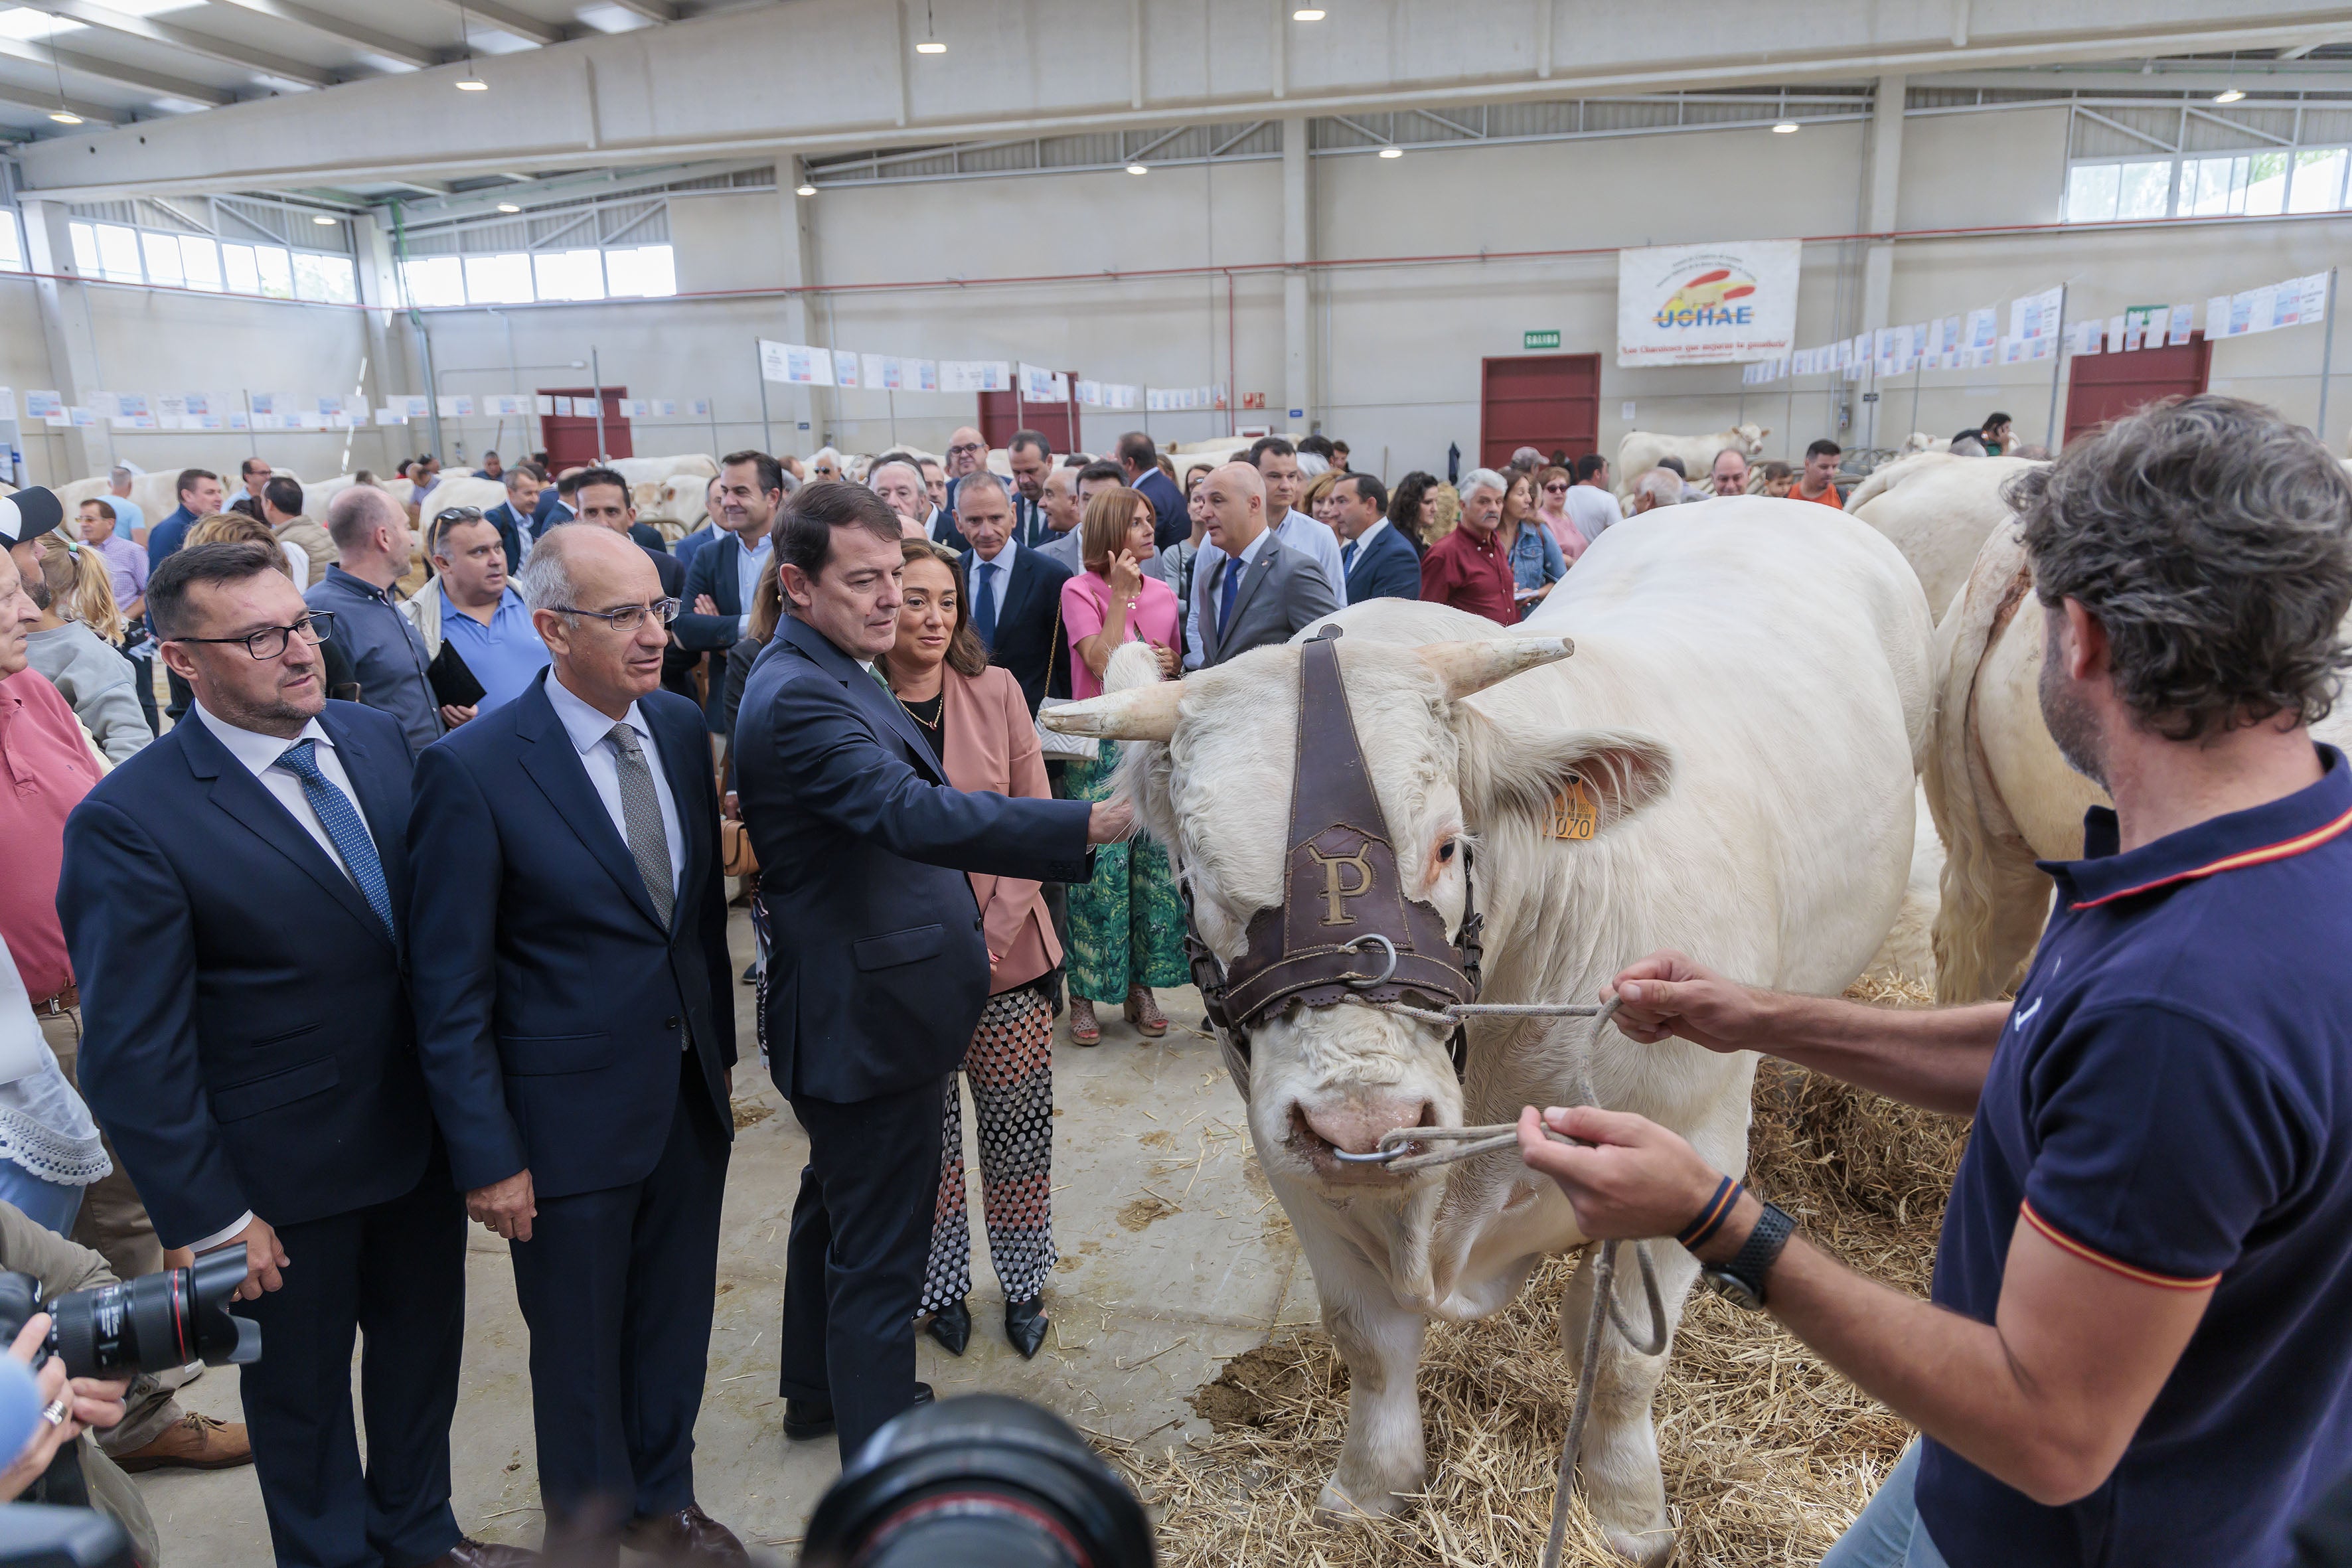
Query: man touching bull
pixel 2131 1354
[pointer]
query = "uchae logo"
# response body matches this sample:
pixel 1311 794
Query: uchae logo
pixel 1715 298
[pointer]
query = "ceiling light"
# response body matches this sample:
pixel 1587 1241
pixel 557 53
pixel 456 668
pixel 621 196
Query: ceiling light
pixel 1392 151
pixel 1785 128
pixel 1308 15
pixel 509 207
pixel 930 46
pixel 472 84
pixel 2228 95
pixel 323 220
pixel 804 190
pixel 1138 169
pixel 65 117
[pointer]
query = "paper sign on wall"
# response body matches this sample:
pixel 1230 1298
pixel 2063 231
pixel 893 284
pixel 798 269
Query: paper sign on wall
pixel 388 415
pixel 44 404
pixel 975 375
pixel 845 368
pixel 795 364
pixel 458 408
pixel 1037 383
pixel 82 418
pixel 563 408
pixel 699 407
pixel 1707 304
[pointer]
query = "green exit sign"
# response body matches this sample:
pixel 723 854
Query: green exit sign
pixel 1542 340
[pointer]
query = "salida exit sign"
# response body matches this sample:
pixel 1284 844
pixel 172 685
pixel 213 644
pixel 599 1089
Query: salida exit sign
pixel 1542 340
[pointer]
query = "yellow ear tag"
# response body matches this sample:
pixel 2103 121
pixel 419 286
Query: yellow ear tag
pixel 1574 813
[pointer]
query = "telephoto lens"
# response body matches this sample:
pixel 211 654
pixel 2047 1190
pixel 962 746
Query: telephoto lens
pixel 985 1482
pixel 150 1324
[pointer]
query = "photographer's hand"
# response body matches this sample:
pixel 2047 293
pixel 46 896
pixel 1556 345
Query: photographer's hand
pixel 263 1259
pixel 48 1435
pixel 504 1208
pixel 98 1401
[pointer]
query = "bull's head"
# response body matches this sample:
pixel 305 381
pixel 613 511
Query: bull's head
pixel 1216 764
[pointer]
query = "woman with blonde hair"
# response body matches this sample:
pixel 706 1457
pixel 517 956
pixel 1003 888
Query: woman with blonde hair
pixel 72 644
pixel 1127 929
pixel 236 527
pixel 976 721
pixel 1317 502
pixel 1444 510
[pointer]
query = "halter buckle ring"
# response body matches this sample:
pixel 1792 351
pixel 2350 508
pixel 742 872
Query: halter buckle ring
pixel 1356 944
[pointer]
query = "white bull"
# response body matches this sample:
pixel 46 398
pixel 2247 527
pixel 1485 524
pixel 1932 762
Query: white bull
pixel 452 490
pixel 1937 509
pixel 1748 687
pixel 155 495
pixel 653 470
pixel 2003 794
pixel 1639 452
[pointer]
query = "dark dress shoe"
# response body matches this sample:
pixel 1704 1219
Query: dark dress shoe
pixel 1024 1324
pixel 952 1326
pixel 483 1554
pixel 807 1418
pixel 689 1535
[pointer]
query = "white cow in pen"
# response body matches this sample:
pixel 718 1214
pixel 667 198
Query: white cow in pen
pixel 1748 685
pixel 1639 452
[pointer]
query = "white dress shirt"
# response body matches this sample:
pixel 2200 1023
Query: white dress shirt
pixel 749 564
pixel 259 754
pixel 1362 542
pixel 591 737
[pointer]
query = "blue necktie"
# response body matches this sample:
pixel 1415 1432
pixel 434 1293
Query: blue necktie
pixel 349 834
pixel 1347 556
pixel 983 609
pixel 1234 569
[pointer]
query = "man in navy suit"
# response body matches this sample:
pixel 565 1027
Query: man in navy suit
pixel 1138 460
pixel 1016 592
pixel 515 517
pixel 720 584
pixel 575 1025
pixel 879 968
pixel 1380 561
pixel 233 901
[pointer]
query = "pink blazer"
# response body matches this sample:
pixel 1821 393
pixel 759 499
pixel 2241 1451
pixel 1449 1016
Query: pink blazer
pixel 992 745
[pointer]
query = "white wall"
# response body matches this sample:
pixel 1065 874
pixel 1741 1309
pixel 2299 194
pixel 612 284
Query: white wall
pixel 1395 346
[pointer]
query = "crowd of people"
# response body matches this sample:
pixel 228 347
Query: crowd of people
pixel 489 777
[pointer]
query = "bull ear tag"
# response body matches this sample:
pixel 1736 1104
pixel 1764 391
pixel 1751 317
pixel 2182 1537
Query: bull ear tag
pixel 1575 814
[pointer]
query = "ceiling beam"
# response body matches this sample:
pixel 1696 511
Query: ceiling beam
pixel 506 19
pixel 186 40
pixel 382 45
pixel 147 81
pixel 651 10
pixel 44 104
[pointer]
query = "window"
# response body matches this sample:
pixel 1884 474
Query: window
pixel 276 271
pixel 329 279
pixel 570 274
pixel 118 254
pixel 642 272
pixel 85 248
pixel 237 270
pixel 2100 193
pixel 162 260
pixel 433 280
pixel 12 248
pixel 499 279
pixel 2243 185
pixel 2318 184
pixel 200 262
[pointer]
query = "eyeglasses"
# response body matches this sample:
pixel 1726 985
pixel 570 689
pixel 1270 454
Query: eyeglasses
pixel 459 514
pixel 628 617
pixel 966 449
pixel 270 641
pixel 1555 487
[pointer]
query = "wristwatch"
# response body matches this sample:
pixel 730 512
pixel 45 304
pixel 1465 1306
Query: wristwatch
pixel 1742 1278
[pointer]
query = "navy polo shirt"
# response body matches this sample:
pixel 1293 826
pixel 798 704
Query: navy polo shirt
pixel 2173 1100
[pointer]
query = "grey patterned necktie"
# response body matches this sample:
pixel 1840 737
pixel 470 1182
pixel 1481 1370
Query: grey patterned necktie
pixel 641 816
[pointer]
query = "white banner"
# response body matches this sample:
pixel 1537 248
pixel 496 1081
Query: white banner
pixel 1707 304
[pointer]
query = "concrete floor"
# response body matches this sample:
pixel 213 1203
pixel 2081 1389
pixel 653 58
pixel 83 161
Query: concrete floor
pixel 1173 1257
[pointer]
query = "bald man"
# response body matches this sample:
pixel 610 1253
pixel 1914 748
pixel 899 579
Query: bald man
pixel 967 454
pixel 1249 589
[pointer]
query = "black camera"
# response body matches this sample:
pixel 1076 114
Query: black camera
pixel 150 1324
pixel 984 1481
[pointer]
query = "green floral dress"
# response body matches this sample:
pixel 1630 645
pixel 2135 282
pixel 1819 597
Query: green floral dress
pixel 1126 928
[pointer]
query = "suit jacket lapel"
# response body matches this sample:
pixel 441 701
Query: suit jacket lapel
pixel 1256 573
pixel 556 768
pixel 236 791
pixel 867 694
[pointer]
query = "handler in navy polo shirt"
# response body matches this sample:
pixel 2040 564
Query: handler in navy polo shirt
pixel 2139 1349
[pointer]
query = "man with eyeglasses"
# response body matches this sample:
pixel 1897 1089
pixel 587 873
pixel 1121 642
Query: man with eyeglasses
pixel 387 652
pixel 234 899
pixel 576 1021
pixel 967 454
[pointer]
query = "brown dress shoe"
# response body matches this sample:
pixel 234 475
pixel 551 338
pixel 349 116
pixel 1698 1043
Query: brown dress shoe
pixel 194 1442
pixel 470 1553
pixel 689 1535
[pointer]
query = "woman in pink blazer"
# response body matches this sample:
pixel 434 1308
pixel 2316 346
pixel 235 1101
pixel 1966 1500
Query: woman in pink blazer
pixel 976 723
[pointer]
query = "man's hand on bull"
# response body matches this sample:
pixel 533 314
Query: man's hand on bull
pixel 1669 995
pixel 1637 1181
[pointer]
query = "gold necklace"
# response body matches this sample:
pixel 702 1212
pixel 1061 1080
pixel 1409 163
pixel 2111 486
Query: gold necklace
pixel 932 726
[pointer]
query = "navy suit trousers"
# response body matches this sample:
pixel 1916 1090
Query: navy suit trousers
pixel 854 1267
pixel 396 1273
pixel 616 1286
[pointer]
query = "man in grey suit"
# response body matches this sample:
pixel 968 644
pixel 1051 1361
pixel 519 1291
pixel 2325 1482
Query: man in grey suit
pixel 1257 591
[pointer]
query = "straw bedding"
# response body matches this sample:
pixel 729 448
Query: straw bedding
pixel 1768 1454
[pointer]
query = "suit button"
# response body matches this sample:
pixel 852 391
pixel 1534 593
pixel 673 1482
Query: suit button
pixel 975 923
pixel 670 1021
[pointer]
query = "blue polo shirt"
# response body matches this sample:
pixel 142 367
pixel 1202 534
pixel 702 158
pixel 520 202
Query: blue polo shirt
pixel 505 656
pixel 166 538
pixel 2173 1100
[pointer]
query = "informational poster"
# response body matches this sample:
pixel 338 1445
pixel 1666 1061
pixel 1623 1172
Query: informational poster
pixel 82 418
pixel 881 372
pixel 2182 325
pixel 563 407
pixel 1089 393
pixel 795 364
pixel 262 403
pixel 44 404
pixel 105 404
pixel 500 406
pixel 389 415
pixel 1037 383
pixel 845 368
pixel 197 403
pixel 458 408
pixel 1983 330
pixel 2036 315
pixel 700 408
pixel 2115 334
pixel 168 406
pixel 1707 304
pixel 543 404
pixel 975 375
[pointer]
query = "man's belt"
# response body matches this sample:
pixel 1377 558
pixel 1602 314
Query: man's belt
pixel 56 1006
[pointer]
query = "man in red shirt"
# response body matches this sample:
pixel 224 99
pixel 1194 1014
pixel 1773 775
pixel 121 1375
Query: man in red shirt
pixel 1467 569
pixel 1819 480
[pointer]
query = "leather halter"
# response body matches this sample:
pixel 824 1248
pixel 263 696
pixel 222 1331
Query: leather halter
pixel 1345 928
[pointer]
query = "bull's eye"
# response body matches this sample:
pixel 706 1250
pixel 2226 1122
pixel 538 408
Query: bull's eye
pixel 1445 851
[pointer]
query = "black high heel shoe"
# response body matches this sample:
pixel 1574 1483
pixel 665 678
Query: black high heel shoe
pixel 1024 1324
pixel 952 1326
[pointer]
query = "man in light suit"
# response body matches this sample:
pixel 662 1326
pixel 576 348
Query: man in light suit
pixel 233 901
pixel 515 517
pixel 575 1026
pixel 880 965
pixel 1380 561
pixel 1256 590
pixel 1016 592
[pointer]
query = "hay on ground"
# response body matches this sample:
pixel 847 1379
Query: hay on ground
pixel 1768 1454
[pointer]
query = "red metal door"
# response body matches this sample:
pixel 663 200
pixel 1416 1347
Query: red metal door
pixel 1003 413
pixel 572 437
pixel 2106 386
pixel 1549 402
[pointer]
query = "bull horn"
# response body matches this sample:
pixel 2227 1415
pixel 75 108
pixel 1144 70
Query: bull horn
pixel 1138 714
pixel 1468 667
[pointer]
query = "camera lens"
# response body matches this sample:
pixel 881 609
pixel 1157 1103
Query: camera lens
pixel 156 1322
pixel 985 1482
